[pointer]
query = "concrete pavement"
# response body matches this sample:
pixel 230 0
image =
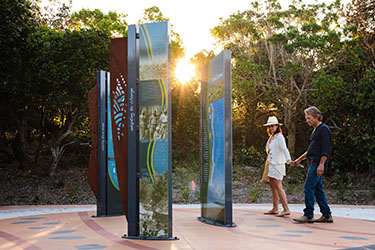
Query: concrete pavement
pixel 72 227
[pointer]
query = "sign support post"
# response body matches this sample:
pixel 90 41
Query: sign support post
pixel 102 77
pixel 133 132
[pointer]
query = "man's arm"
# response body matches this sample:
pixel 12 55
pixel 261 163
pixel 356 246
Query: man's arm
pixel 326 142
pixel 320 169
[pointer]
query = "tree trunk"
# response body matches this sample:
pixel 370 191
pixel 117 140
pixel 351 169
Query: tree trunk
pixel 56 156
pixel 291 126
pixel 58 148
pixel 23 142
pixel 57 151
pixel 40 143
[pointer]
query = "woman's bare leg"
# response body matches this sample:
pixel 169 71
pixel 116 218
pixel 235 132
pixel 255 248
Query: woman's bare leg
pixel 275 195
pixel 279 187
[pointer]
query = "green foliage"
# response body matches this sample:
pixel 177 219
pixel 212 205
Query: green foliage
pixel 186 119
pixel 46 79
pixel 186 192
pixel 112 22
pixel 292 189
pixel 17 83
pixel 346 97
pixel 185 123
pixel 283 60
pixel 277 54
pixel 249 156
pixel 255 193
pixel 74 193
pixel 153 14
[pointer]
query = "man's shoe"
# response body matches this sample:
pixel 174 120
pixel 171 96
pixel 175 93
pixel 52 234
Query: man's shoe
pixel 324 219
pixel 304 219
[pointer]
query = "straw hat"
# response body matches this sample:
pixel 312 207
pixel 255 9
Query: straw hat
pixel 272 120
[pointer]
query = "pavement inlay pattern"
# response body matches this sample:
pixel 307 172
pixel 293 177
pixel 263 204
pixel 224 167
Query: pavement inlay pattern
pixel 23 222
pixel 79 230
pixel 63 232
pixel 51 223
pixel 67 238
pixel 266 219
pixel 90 246
pixel 38 228
pixel 268 225
pixel 299 231
pixel 33 218
pixel 369 247
pixel 353 238
pixel 289 235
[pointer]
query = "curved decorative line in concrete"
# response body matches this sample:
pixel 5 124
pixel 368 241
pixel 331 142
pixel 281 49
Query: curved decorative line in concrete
pixel 18 241
pixel 108 235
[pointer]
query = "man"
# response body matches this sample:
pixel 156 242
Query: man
pixel 317 156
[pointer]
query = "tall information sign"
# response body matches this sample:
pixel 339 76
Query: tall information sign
pixel 149 96
pixel 216 141
pixel 108 192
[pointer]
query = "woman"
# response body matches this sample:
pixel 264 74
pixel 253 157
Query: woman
pixel 278 155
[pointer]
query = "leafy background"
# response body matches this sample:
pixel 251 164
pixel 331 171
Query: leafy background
pixel 284 60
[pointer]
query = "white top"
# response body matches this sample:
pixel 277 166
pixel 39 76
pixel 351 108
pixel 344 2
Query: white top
pixel 278 152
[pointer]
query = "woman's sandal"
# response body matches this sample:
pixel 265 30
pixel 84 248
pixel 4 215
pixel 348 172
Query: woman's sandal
pixel 271 212
pixel 283 213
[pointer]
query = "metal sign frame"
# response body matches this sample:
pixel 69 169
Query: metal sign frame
pixel 133 132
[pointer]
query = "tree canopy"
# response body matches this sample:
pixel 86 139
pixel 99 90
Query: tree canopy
pixel 284 60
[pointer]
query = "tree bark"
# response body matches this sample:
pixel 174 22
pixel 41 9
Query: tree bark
pixel 58 148
pixel 291 126
pixel 20 122
pixel 40 143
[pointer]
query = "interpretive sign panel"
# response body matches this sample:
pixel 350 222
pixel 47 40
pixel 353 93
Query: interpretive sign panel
pixel 109 200
pixel 153 216
pixel 216 141
pixel 154 130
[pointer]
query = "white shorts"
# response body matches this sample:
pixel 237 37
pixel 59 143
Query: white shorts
pixel 275 171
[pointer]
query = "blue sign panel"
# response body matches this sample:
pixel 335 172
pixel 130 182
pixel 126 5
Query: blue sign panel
pixel 110 149
pixel 216 141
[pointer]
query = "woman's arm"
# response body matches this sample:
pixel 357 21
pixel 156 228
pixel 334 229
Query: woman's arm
pixel 284 149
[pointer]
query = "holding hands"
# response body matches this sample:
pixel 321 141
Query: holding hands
pixel 293 163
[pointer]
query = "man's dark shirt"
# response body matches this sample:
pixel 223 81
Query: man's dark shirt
pixel 320 144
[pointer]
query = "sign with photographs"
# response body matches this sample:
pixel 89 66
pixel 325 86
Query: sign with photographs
pixel 154 130
pixel 151 110
pixel 216 141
